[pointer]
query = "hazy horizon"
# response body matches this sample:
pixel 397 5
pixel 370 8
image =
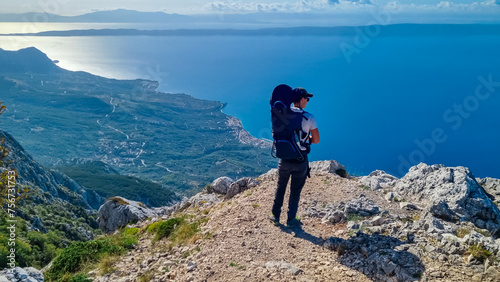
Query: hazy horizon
pixel 278 12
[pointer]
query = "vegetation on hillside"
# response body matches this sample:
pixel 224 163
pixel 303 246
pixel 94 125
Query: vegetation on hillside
pixel 80 257
pixel 106 181
pixel 43 224
pixel 33 248
pixel 71 261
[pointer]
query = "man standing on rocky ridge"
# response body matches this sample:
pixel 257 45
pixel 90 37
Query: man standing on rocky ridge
pixel 298 170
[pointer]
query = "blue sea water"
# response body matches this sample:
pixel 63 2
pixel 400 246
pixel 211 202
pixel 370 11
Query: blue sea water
pixel 394 102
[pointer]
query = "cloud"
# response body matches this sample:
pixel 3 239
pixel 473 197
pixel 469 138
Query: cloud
pixel 349 7
pixel 336 2
pixel 238 6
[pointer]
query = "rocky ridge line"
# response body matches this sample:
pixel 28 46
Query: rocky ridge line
pixel 374 228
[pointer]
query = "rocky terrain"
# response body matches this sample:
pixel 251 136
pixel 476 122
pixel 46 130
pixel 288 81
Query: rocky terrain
pixel 436 223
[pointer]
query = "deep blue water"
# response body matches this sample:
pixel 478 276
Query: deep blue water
pixel 399 101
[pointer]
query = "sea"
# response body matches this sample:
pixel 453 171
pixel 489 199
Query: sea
pixel 382 102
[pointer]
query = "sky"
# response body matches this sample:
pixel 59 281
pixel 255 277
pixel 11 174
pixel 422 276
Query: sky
pixel 482 9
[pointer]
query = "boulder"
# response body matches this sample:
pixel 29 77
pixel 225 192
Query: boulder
pixel 221 185
pixel 443 211
pixel 241 185
pixel 203 199
pixel 378 179
pixel 458 188
pixel 361 206
pixel 118 212
pixel 375 255
pixel 271 175
pixel 334 217
pixel 330 166
pixel 283 266
pixel 491 186
pixel 409 206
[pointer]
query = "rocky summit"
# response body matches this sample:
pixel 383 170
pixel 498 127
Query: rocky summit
pixel 436 223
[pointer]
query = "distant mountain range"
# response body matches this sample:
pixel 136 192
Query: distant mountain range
pixel 114 16
pixel 388 30
pixel 181 142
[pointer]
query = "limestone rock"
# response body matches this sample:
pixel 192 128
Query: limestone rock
pixel 118 212
pixel 191 266
pixel 330 166
pixel 491 186
pixel 241 185
pixel 203 199
pixel 433 225
pixel 362 206
pixel 221 185
pixel 29 274
pixel 409 206
pixel 374 255
pixel 378 179
pixel 457 187
pixel 272 174
pixel 443 211
pixel 392 196
pixel 283 266
pixel 334 217
pixel 377 221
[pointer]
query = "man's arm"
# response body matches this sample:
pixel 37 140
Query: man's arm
pixel 315 136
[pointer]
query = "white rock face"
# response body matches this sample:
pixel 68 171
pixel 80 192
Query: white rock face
pixel 30 274
pixel 330 166
pixel 378 179
pixel 241 185
pixel 457 187
pixel 491 185
pixel 272 174
pixel 118 212
pixel 221 185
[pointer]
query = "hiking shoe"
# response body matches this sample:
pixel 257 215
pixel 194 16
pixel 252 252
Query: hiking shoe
pixel 274 220
pixel 293 223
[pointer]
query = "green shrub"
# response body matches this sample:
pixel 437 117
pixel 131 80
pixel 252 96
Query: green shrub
pixel 131 231
pixel 73 258
pixel 185 233
pixel 478 252
pixel 165 228
pixel 153 227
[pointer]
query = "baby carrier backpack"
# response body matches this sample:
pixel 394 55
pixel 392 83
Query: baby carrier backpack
pixel 287 125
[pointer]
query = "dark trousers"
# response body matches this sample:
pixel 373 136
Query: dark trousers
pixel 298 172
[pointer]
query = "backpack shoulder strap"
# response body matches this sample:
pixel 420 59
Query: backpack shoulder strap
pixel 303 114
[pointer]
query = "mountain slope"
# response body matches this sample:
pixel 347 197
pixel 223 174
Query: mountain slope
pixel 51 210
pixel 107 182
pixel 176 139
pixel 58 185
